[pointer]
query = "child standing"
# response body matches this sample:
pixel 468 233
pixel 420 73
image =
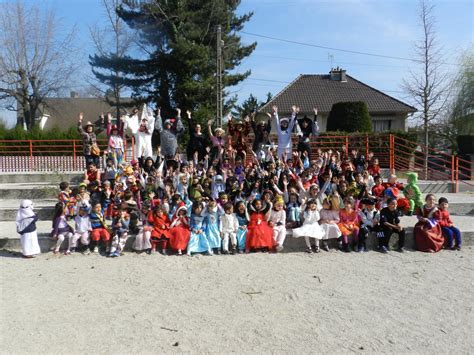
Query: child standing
pixel 369 221
pixel 121 225
pixel 390 224
pixel 310 227
pixel 348 224
pixel 83 226
pixel 26 227
pixel 329 219
pixel 278 222
pixel 450 232
pixel 61 229
pixel 229 227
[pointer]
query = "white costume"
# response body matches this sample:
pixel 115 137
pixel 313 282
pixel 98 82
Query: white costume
pixel 142 128
pixel 285 145
pixel 83 226
pixel 278 218
pixel 25 226
pixel 229 228
pixel 331 231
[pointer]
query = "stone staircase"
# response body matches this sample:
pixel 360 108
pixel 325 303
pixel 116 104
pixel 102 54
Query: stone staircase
pixel 42 188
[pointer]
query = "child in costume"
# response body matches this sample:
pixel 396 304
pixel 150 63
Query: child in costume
pixel 211 220
pixel 160 233
pixel 61 229
pixel 389 225
pixel 115 134
pixel 229 226
pixel 26 227
pixel 348 224
pixel 198 242
pixel 278 222
pixel 179 230
pixel 369 221
pixel 82 229
pixel 450 232
pixel 142 239
pixel 66 198
pixel 329 218
pixel 100 230
pixel 310 227
pixel 427 231
pixel 243 219
pixel 413 193
pixel 260 234
pixel 121 225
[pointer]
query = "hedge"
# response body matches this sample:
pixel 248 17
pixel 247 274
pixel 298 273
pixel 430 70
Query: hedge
pixel 350 117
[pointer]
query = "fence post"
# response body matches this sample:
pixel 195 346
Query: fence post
pixel 391 154
pixel 125 149
pixel 74 154
pixel 133 147
pixel 452 168
pixel 31 155
pixel 347 146
pixel 456 185
pixel 366 146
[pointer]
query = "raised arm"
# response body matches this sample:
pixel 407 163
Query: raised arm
pixel 315 123
pixel 158 121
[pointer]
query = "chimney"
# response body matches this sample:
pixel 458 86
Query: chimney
pixel 338 74
pixel 74 95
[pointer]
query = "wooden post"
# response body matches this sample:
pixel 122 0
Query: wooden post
pixel 347 146
pixel 366 146
pixel 74 154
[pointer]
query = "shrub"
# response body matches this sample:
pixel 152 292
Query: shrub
pixel 349 117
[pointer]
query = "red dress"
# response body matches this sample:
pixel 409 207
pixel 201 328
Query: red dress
pixel 160 226
pixel 428 235
pixel 260 234
pixel 179 233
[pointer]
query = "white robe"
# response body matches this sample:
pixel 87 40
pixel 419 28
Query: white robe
pixel 143 145
pixel 24 217
pixel 285 145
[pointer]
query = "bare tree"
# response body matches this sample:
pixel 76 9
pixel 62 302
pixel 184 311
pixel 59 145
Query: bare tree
pixel 428 87
pixel 112 40
pixel 35 62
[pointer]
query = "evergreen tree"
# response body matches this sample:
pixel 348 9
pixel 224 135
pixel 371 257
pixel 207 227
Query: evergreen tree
pixel 178 64
pixel 349 117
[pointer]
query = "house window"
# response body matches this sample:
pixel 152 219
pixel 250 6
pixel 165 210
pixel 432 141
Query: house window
pixel 381 125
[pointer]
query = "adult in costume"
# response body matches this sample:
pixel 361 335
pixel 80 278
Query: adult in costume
pixel 142 127
pixel 284 128
pixel 169 132
pixel 307 127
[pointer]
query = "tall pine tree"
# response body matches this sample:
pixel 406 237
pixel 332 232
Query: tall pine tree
pixel 177 67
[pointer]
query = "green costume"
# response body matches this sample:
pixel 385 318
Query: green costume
pixel 412 192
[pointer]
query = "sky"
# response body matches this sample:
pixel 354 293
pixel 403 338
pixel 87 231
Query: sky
pixel 382 27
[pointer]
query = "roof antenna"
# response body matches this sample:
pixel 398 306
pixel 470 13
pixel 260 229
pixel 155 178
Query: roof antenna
pixel 331 58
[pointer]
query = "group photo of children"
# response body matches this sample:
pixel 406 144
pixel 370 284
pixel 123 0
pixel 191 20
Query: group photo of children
pixel 219 196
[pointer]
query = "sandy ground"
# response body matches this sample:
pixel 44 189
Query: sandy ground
pixel 261 303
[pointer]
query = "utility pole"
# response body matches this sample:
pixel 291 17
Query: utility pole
pixel 219 68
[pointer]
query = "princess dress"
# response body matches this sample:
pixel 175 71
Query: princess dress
pixel 180 233
pixel 241 232
pixel 310 227
pixel 331 231
pixel 260 234
pixel 212 228
pixel 198 243
pixel 428 235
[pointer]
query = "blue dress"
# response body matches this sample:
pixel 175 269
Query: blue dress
pixel 198 243
pixel 212 228
pixel 241 233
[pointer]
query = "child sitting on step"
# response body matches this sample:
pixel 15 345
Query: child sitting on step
pixel 450 232
pixel 61 229
pixel 121 225
pixel 83 227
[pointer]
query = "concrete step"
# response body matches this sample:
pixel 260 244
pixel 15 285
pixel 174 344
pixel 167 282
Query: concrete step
pixel 30 191
pixel 52 178
pixel 9 239
pixel 43 208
